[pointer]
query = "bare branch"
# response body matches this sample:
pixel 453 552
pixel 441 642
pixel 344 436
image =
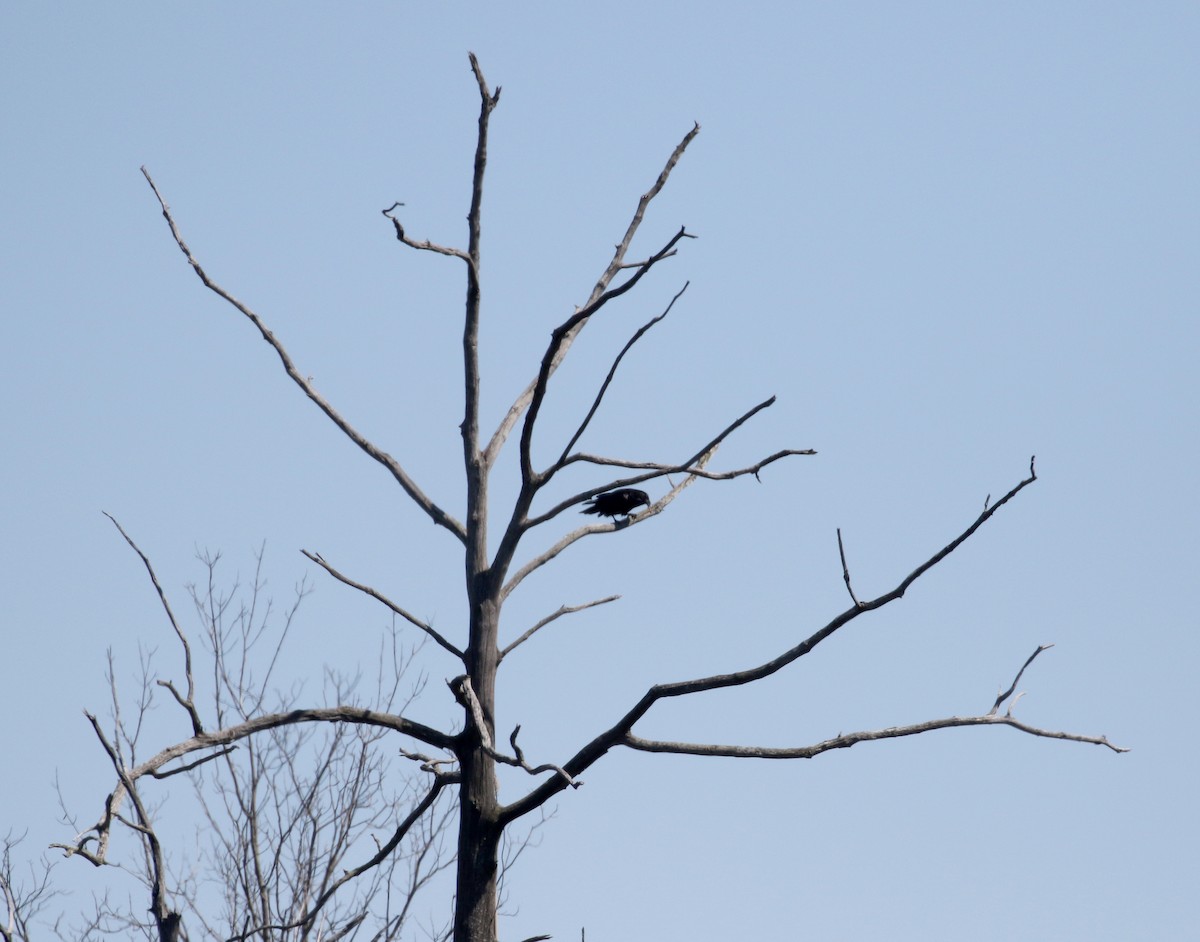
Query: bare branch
pixel 560 338
pixel 193 765
pixel 1016 680
pixel 367 590
pixel 464 692
pixel 188 702
pixel 563 610
pixel 846 740
pixel 616 734
pixel 426 245
pixel 846 569
pixel 609 378
pixel 475 462
pixel 430 764
pixel 617 264
pixel 662 469
pixel 380 856
pixel 575 535
pixel 520 762
pixel 410 487
pixel 165 918
pixel 693 466
pixel 22 901
pixel 223 737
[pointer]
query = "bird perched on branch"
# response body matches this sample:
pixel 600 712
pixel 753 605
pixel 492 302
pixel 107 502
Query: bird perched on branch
pixel 621 502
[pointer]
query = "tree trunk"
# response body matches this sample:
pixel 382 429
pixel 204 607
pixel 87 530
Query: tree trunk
pixel 478 829
pixel 478 853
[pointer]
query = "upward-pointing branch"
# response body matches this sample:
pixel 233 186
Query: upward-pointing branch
pixel 435 512
pixel 517 409
pixel 641 332
pixel 561 338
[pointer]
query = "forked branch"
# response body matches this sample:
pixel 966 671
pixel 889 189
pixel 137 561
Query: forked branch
pixel 560 338
pixel 464 692
pixel 187 702
pixel 382 854
pixel 617 264
pixel 165 918
pixel 575 535
pixel 609 378
pixel 617 734
pixel 846 740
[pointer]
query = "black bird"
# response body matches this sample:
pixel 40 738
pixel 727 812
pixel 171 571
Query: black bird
pixel 621 502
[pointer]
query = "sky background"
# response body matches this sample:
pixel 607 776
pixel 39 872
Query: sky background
pixel 946 235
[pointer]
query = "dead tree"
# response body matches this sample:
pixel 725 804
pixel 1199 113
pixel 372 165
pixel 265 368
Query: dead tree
pixel 23 897
pixel 281 816
pixel 464 762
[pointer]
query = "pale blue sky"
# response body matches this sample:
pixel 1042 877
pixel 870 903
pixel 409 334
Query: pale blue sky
pixel 946 235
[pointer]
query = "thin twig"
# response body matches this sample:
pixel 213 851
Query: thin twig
pixel 193 765
pixel 653 469
pixel 188 702
pixel 846 569
pixel 612 372
pixel 381 855
pixel 1016 680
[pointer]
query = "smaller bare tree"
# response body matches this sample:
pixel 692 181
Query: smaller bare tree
pixel 22 897
pixel 278 814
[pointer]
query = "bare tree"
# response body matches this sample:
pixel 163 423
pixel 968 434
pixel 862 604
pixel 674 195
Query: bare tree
pixel 22 896
pixel 463 762
pixel 282 815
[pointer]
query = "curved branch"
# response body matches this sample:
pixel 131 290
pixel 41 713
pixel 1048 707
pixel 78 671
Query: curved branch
pixel 617 733
pixel 1016 680
pixel 426 245
pixel 560 338
pixel 609 378
pixel 100 831
pixel 410 487
pixel 379 597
